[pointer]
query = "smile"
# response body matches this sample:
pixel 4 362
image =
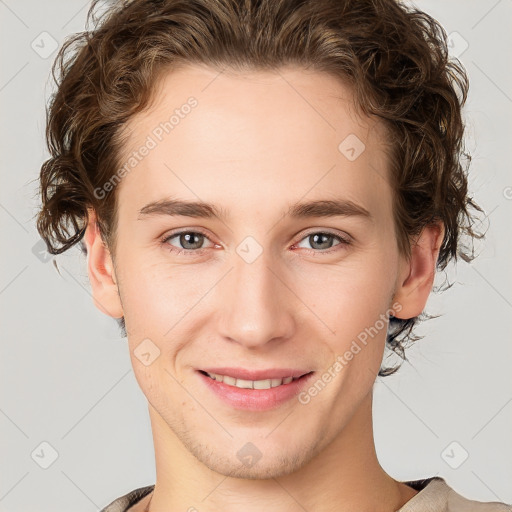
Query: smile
pixel 250 384
pixel 254 395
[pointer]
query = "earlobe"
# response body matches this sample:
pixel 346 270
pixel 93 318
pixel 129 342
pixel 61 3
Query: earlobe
pixel 101 271
pixel 416 280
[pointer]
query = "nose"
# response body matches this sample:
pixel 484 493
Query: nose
pixel 256 303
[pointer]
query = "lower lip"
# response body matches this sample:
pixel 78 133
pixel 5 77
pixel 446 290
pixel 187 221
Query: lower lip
pixel 256 399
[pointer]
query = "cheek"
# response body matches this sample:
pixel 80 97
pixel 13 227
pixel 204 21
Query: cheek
pixel 156 295
pixel 349 297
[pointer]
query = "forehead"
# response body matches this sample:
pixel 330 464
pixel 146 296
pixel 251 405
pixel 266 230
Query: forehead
pixel 267 135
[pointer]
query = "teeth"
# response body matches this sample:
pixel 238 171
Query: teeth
pixel 250 384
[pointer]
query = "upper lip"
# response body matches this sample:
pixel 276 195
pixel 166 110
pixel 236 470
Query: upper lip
pixel 245 374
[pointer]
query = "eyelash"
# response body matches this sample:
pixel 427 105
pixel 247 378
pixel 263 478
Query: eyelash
pixel 191 252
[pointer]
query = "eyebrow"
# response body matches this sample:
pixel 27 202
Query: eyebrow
pixel 200 209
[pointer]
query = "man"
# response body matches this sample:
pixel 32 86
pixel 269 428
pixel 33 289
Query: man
pixel 257 184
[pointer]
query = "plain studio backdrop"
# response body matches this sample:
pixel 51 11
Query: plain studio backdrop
pixel 75 432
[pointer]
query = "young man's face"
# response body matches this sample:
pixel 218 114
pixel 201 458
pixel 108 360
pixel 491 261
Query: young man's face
pixel 256 289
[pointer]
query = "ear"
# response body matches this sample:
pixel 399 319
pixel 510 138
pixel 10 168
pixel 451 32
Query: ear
pixel 417 276
pixel 101 271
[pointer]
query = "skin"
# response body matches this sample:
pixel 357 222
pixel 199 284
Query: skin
pixel 255 144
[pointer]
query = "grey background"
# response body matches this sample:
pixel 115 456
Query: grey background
pixel 66 373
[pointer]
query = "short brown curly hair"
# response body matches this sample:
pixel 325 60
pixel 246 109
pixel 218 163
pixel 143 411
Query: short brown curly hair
pixel 394 57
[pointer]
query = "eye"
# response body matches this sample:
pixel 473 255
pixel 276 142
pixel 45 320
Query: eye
pixel 189 242
pixel 321 241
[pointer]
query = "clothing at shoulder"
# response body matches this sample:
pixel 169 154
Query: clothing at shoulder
pixel 437 496
pixel 123 503
pixel 434 495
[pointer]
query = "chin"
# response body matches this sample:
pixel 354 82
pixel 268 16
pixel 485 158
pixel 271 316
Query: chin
pixel 254 461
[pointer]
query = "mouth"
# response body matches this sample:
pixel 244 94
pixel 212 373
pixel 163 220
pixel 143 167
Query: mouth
pixel 266 383
pixel 257 394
